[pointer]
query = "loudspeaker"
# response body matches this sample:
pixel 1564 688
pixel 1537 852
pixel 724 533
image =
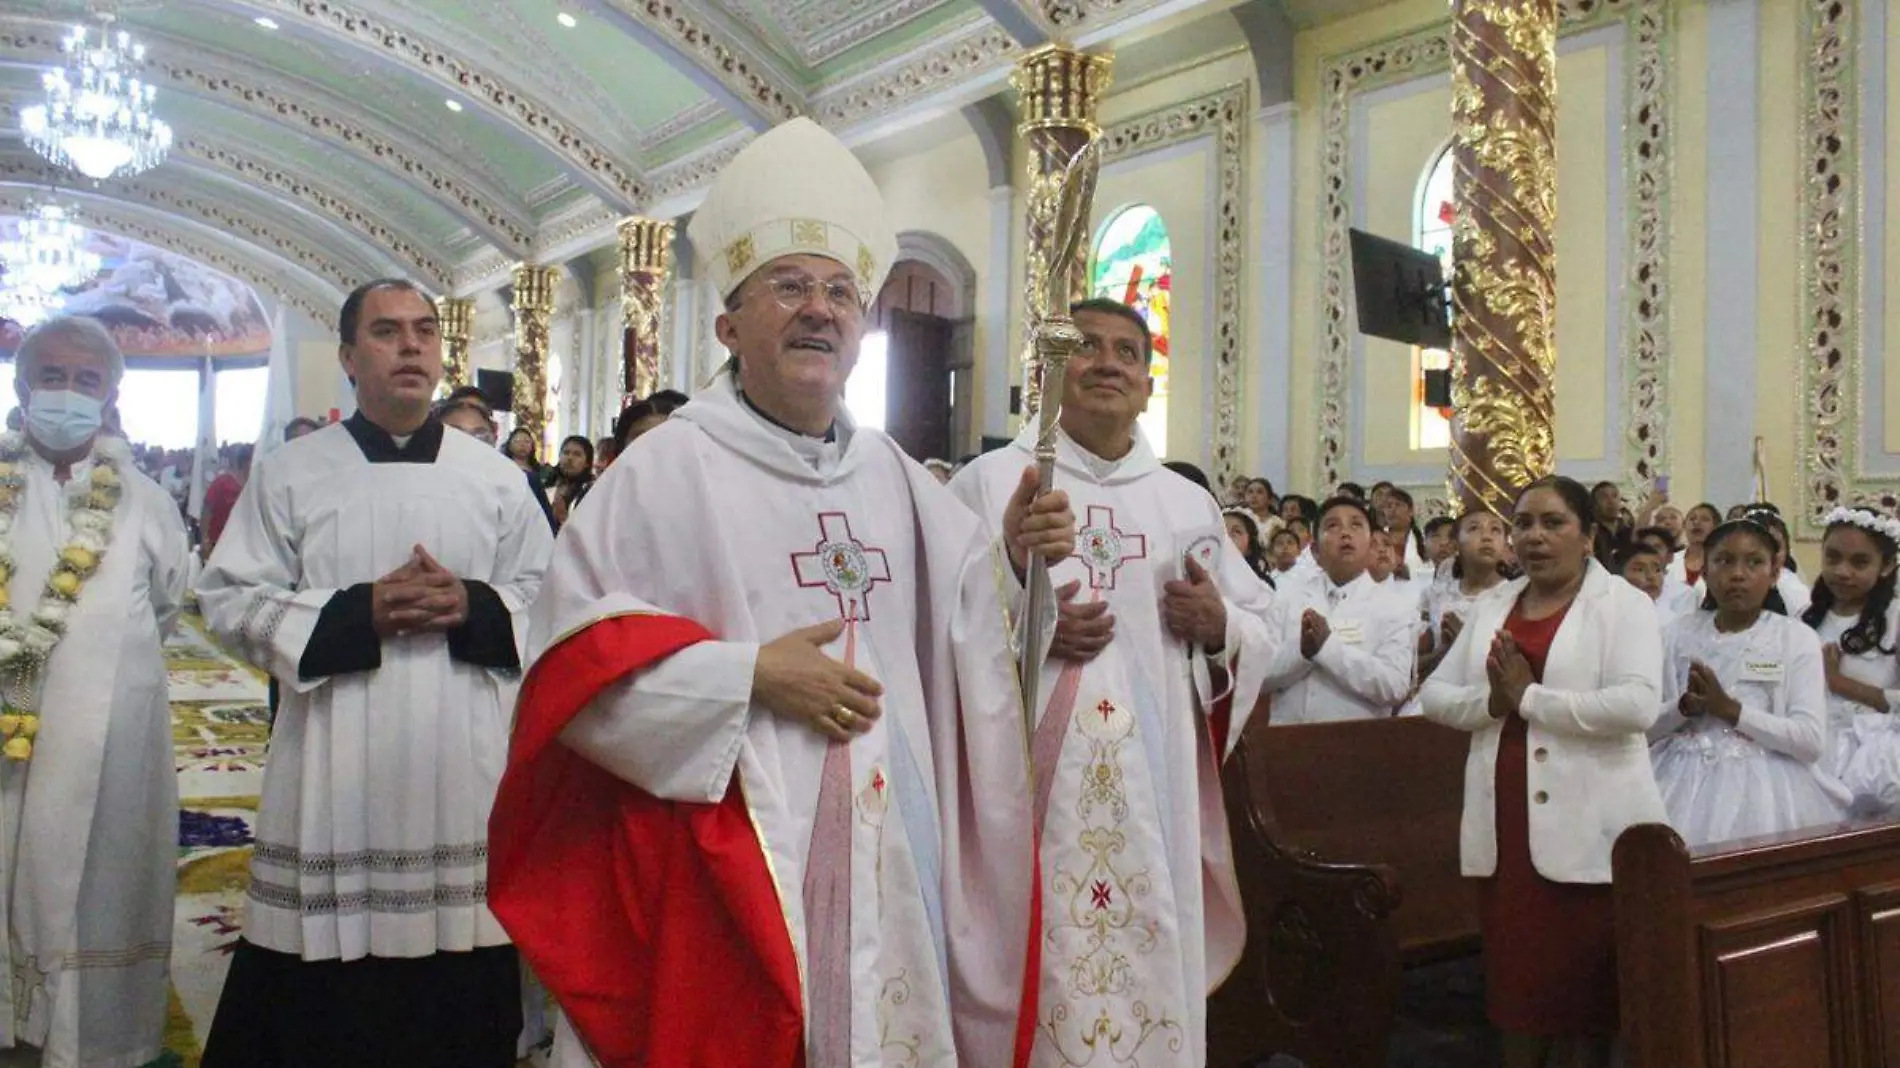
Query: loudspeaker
pixel 498 389
pixel 1438 389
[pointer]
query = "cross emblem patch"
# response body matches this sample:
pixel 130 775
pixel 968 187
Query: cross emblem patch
pixel 1105 549
pixel 843 566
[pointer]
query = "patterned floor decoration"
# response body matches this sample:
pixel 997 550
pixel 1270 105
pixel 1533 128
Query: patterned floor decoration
pixel 220 727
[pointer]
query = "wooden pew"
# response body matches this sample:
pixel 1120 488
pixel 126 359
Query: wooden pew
pixel 1346 844
pixel 1781 952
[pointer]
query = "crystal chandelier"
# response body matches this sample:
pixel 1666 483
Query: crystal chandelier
pixel 97 118
pixel 48 254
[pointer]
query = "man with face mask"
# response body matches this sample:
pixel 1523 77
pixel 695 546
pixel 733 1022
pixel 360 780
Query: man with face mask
pixel 380 569
pixel 93 568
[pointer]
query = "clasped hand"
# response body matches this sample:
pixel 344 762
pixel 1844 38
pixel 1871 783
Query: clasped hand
pixel 1705 696
pixel 1510 674
pixel 421 595
pixel 794 678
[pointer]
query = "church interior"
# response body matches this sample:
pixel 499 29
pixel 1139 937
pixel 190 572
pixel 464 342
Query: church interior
pixel 1716 321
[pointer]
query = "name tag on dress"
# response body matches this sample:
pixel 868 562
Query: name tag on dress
pixel 1352 633
pixel 1762 671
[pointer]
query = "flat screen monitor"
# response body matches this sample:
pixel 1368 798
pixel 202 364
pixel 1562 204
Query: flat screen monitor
pixel 498 389
pixel 1400 292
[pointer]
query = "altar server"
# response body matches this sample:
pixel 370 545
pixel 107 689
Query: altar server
pixel 381 570
pixel 1743 728
pixel 768 798
pixel 93 569
pixel 1164 653
pixel 1343 644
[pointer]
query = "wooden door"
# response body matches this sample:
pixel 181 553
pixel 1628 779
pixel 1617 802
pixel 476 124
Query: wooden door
pixel 917 383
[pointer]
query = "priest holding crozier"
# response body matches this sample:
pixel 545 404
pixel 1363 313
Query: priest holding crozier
pixel 767 802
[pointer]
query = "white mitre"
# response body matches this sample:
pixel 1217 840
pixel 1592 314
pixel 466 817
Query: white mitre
pixel 796 189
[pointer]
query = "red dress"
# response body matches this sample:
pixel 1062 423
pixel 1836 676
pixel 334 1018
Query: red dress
pixel 1549 948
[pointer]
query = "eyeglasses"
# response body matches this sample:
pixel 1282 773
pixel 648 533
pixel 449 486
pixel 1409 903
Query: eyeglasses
pixel 793 292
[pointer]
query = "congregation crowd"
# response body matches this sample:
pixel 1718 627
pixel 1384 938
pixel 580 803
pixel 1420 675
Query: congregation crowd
pixel 716 727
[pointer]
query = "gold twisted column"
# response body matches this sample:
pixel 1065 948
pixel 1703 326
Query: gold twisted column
pixel 534 308
pixel 1058 89
pixel 455 318
pixel 1504 362
pixel 646 255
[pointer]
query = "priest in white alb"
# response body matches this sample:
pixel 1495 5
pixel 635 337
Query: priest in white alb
pixel 381 570
pixel 93 569
pixel 767 802
pixel 1158 660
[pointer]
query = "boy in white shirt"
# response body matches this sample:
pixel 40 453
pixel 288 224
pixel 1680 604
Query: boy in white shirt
pixel 1347 643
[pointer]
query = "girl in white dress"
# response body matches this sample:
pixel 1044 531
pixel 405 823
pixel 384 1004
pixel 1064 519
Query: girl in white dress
pixel 1855 615
pixel 1744 716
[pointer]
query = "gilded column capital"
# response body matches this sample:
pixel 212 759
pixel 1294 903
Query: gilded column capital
pixel 1059 90
pixel 534 311
pixel 646 261
pixel 455 318
pixel 1504 285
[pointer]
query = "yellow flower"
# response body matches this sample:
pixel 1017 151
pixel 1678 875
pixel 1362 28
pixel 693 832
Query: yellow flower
pixel 9 724
pixel 6 599
pixel 101 476
pixel 64 583
pixel 18 749
pixel 29 726
pixel 102 500
pixel 82 560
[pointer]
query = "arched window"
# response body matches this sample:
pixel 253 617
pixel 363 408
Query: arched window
pixel 1134 264
pixel 1431 226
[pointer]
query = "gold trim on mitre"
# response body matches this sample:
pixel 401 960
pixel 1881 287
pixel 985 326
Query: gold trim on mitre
pixel 796 189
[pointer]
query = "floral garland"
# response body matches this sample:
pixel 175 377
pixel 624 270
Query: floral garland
pixel 1866 519
pixel 26 645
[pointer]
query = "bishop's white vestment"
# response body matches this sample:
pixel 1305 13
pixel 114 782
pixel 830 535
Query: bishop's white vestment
pixel 1141 912
pixel 702 881
pixel 90 840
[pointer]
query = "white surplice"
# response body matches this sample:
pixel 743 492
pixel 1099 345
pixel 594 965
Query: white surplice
pixel 91 822
pixel 1141 914
pixel 1761 775
pixel 754 531
pixel 372 834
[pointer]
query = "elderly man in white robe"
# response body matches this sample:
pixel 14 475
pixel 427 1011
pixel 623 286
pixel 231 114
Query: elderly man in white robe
pixel 94 566
pixel 381 570
pixel 1160 653
pixel 767 803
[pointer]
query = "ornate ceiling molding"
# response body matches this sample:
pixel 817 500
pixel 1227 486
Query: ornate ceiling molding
pixel 702 112
pixel 339 267
pixel 981 48
pixel 712 55
pixel 312 112
pixel 412 49
pixel 821 32
pixel 289 185
pixel 280 279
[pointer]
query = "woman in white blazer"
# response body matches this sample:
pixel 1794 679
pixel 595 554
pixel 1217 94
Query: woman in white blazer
pixel 1557 675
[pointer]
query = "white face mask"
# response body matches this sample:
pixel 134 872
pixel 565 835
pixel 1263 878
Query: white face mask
pixel 61 419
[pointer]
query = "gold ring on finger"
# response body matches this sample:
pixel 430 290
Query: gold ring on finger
pixel 843 716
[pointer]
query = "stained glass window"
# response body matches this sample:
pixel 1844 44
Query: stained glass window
pixel 1432 222
pixel 1135 265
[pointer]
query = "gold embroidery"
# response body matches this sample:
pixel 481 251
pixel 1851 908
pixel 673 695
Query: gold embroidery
pixel 1103 922
pixel 810 232
pixel 739 255
pixel 901 1050
pixel 867 269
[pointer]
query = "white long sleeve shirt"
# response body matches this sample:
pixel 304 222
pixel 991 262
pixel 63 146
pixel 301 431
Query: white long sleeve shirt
pixel 1365 668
